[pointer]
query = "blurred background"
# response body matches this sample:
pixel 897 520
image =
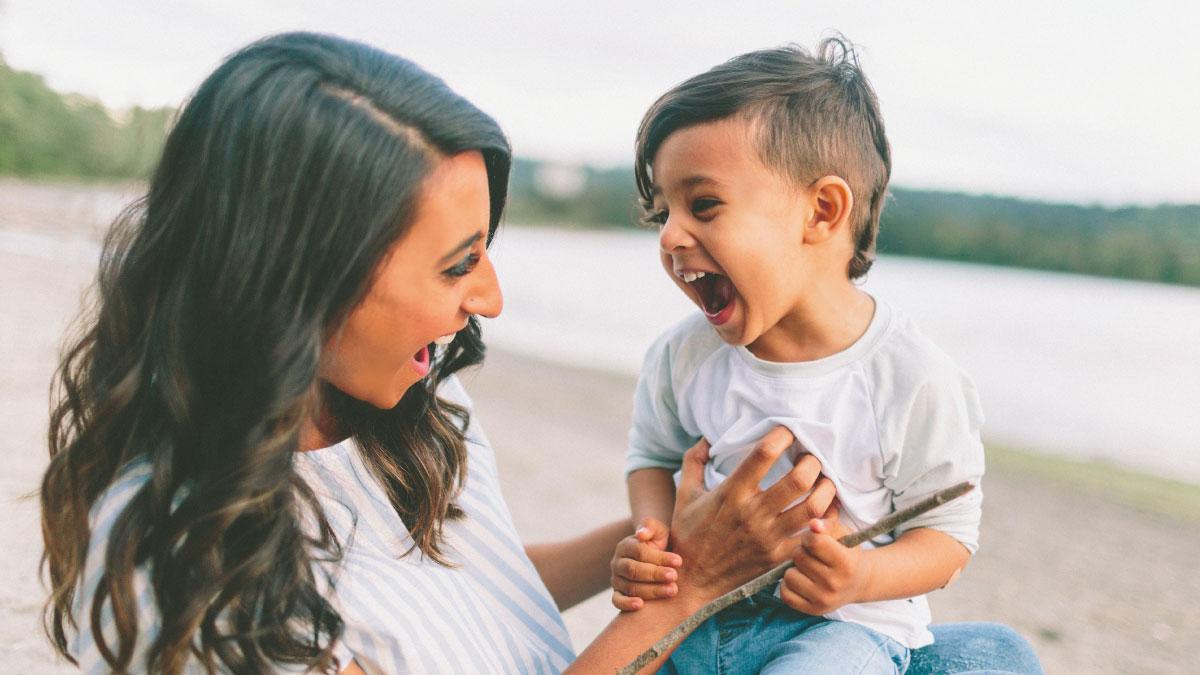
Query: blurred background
pixel 1043 228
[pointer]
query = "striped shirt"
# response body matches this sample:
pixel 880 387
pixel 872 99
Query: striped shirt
pixel 488 613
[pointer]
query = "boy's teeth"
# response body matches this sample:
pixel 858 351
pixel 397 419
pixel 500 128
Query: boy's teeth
pixel 445 340
pixel 689 277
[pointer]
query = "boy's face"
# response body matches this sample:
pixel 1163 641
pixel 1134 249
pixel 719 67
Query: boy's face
pixel 728 217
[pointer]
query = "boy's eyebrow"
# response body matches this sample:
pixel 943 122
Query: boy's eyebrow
pixel 690 181
pixel 462 246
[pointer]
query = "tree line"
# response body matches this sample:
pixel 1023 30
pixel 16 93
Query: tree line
pixel 45 134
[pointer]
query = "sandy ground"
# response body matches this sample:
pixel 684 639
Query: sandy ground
pixel 1096 586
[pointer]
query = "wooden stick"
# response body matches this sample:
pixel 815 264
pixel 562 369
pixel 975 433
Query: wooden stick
pixel 885 524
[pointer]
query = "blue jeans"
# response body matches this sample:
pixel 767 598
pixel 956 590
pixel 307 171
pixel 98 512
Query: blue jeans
pixel 761 634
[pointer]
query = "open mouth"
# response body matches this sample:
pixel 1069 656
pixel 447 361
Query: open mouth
pixel 716 296
pixel 421 361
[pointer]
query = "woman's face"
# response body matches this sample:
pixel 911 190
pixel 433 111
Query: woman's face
pixel 431 281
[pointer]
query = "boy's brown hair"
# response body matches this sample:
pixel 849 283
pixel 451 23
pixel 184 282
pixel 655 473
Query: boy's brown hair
pixel 815 115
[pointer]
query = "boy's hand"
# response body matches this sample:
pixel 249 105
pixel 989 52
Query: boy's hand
pixel 643 569
pixel 827 574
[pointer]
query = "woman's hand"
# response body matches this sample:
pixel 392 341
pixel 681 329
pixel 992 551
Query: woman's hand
pixel 642 568
pixel 737 531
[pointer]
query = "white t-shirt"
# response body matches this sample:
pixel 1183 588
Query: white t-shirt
pixel 891 419
pixel 489 613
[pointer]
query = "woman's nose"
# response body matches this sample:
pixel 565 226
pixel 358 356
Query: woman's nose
pixel 484 297
pixel 673 236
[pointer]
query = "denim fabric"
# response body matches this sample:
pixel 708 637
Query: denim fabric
pixel 761 634
pixel 975 648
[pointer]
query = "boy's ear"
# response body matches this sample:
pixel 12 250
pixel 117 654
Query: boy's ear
pixel 832 202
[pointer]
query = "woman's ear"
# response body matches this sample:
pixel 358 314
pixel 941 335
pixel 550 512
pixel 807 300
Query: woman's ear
pixel 832 202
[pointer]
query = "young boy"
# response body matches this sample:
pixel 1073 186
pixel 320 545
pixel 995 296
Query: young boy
pixel 767 175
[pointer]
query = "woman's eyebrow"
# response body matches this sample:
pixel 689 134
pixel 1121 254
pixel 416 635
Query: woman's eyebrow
pixel 464 245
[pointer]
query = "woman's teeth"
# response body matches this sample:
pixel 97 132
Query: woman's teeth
pixel 445 340
pixel 689 277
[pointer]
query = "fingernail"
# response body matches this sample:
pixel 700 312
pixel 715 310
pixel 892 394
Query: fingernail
pixel 672 590
pixel 670 575
pixel 640 531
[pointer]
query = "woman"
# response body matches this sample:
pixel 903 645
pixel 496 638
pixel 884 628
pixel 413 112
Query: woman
pixel 260 458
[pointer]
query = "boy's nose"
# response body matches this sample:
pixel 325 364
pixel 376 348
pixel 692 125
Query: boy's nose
pixel 673 236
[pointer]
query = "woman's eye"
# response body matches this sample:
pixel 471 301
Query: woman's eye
pixel 704 204
pixel 463 268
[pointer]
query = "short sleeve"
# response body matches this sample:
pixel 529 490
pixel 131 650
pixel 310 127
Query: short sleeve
pixel 940 447
pixel 656 438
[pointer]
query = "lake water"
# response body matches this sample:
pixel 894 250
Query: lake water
pixel 1085 367
pixel 1091 368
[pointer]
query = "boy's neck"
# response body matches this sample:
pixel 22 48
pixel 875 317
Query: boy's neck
pixel 828 320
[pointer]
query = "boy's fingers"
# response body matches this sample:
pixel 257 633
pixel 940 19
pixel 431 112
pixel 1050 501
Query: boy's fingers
pixel 645 591
pixel 653 530
pixel 821 546
pixel 750 472
pixel 651 552
pixel 797 592
pixel 626 603
pixel 635 570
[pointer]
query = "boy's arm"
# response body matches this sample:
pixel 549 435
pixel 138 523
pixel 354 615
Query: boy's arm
pixel 828 575
pixel 920 561
pixel 651 495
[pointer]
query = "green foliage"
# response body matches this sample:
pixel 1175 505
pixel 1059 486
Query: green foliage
pixel 1160 243
pixel 46 134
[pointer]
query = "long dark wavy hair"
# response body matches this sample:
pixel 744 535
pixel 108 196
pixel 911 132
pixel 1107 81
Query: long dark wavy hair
pixel 286 178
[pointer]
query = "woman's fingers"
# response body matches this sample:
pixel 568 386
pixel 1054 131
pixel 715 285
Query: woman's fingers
pixel 691 480
pixel 816 505
pixel 766 452
pixel 799 479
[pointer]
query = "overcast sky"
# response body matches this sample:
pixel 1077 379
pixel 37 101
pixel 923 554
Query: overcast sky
pixel 1066 101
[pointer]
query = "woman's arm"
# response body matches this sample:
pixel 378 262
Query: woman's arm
pixel 576 569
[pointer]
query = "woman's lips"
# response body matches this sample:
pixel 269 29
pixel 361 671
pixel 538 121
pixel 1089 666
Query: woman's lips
pixel 421 361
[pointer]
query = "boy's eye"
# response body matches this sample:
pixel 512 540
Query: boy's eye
pixel 463 268
pixel 704 204
pixel 658 218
